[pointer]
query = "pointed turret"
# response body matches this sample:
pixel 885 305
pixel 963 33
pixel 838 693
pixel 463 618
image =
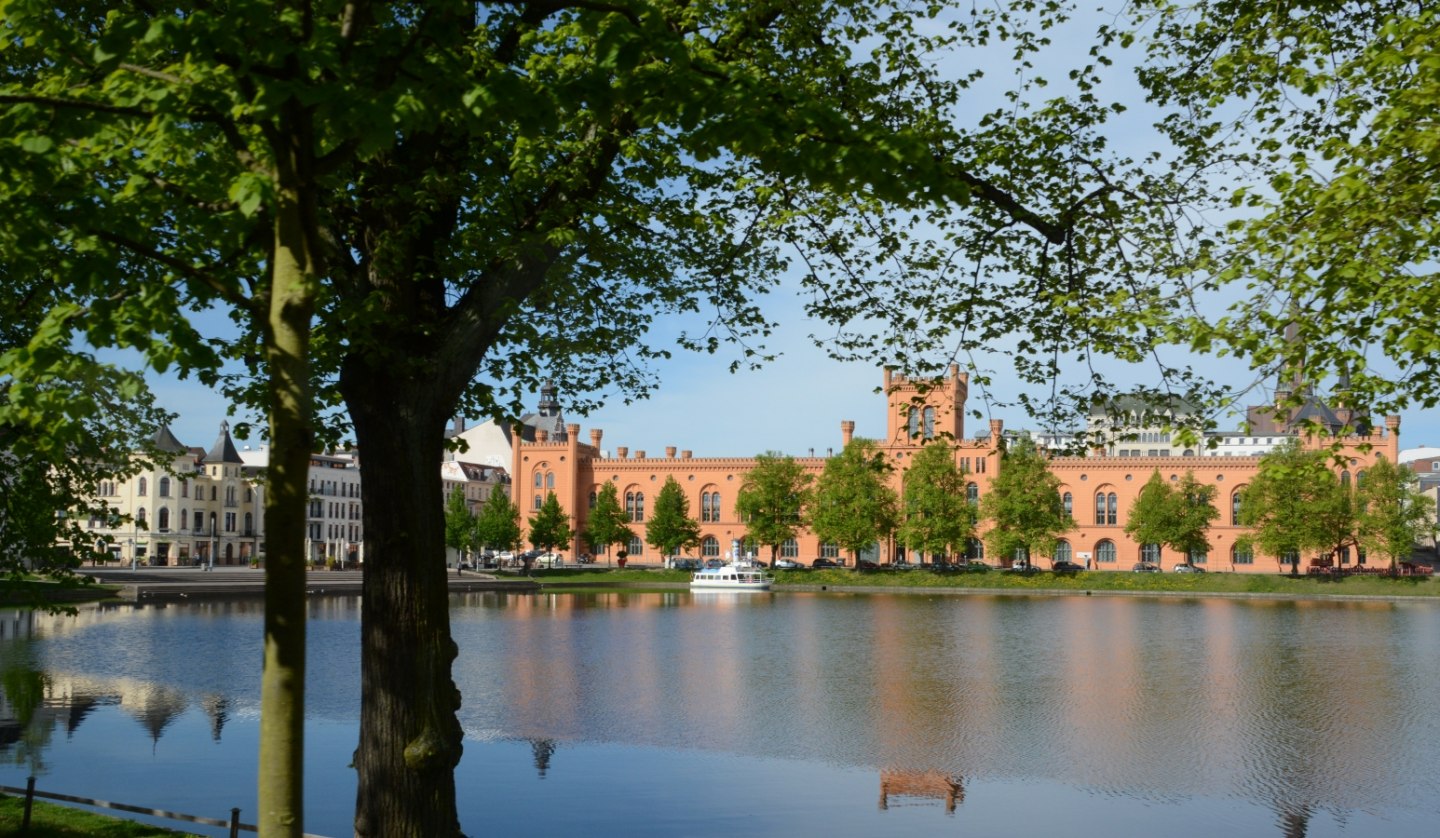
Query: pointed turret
pixel 223 451
pixel 165 441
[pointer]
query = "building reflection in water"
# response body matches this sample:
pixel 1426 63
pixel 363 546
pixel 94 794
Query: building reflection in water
pixel 932 785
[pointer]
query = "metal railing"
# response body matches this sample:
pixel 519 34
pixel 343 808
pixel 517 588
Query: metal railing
pixel 30 792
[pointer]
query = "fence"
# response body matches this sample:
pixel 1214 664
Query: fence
pixel 234 824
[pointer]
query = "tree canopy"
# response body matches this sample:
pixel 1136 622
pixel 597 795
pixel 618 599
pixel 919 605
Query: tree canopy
pixel 498 524
pixel 1296 504
pixel 1176 516
pixel 1392 514
pixel 853 505
pixel 772 499
pixel 1023 504
pixel 607 523
pixel 936 516
pixel 550 526
pixel 670 528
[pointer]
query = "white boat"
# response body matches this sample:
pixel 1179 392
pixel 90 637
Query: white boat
pixel 735 576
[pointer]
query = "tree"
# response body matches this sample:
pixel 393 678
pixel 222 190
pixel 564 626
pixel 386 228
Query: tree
pixel 937 516
pixel 1392 514
pixel 853 505
pixel 451 189
pixel 1023 504
pixel 772 499
pixel 608 523
pixel 1177 517
pixel 459 523
pixel 1309 113
pixel 671 528
pixel 550 526
pixel 1296 504
pixel 498 524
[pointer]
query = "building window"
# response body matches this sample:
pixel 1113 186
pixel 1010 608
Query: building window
pixel 184 488
pixel 549 479
pixel 140 488
pixel 709 547
pixel 1150 553
pixel 914 422
pixel 1235 508
pixel 975 550
pixel 140 518
pixel 229 522
pixel 929 423
pixel 538 503
pixel 1114 504
pixel 709 507
pixel 593 496
pixel 1198 557
pixel 249 523
pixel 1345 478
pixel 184 519
pixel 164 517
pixel 829 550
pixel 1359 478
pixel 789 549
pixel 1067 500
pixel 972 494
pixel 164 487
pixel 1105 552
pixel 539 480
pixel 1062 551
pixel 1240 555
pixel 636 547
pixel 639 506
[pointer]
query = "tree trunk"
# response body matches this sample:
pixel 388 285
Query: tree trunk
pixel 410 738
pixel 282 683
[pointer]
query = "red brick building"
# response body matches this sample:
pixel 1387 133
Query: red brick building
pixel 1098 490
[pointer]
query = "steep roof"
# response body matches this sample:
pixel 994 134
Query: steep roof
pixel 223 451
pixel 166 441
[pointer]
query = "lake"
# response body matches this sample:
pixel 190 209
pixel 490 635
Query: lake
pixel 672 713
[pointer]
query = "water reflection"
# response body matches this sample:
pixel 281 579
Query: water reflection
pixel 1302 709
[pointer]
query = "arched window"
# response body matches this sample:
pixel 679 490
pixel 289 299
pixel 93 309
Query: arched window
pixel 1150 553
pixel 715 506
pixel 164 518
pixel 539 480
pixel 214 492
pixel 709 547
pixel 1105 552
pixel 789 549
pixel 913 421
pixel 140 487
pixel 184 488
pixel 1112 514
pixel 549 479
pixel 635 506
pixel 1062 551
pixel 1359 478
pixel 164 487
pixel 1067 500
pixel 1235 508
pixel 184 519
pixel 1099 507
pixel 593 497
pixel 1241 555
pixel 1345 478
pixel 140 518
pixel 972 494
pixel 929 423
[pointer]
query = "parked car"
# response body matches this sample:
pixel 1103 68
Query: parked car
pixel 550 560
pixel 866 564
pixel 1066 567
pixel 787 564
pixel 685 564
pixel 975 566
pixel 823 563
pixel 1188 568
pixel 714 562
pixel 1022 567
pixel 1145 567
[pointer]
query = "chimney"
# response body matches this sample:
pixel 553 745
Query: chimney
pixel 684 455
pixel 621 451
pixel 639 455
pixel 669 452
pixel 542 435
pixel 847 427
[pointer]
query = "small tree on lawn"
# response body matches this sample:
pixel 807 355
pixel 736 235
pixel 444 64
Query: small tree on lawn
pixel 853 505
pixel 771 500
pixel 1295 503
pixel 1023 504
pixel 498 524
pixel 671 529
pixel 937 517
pixel 608 522
pixel 459 523
pixel 1391 513
pixel 550 526
pixel 1175 516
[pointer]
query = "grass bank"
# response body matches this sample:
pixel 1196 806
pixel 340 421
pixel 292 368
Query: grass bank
pixel 48 820
pixel 1000 581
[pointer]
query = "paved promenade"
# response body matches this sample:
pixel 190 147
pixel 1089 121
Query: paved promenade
pixel 184 582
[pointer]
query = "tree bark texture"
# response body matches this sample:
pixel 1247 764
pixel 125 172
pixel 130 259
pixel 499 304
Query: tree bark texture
pixel 410 738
